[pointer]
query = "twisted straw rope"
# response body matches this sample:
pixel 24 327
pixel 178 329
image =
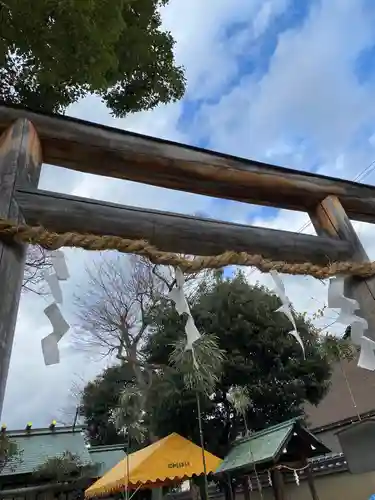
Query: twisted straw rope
pixel 37 235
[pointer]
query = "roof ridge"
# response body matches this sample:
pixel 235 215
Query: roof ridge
pixel 191 443
pixel 268 430
pixel 342 422
pixel 106 447
pixel 159 443
pixel 44 431
pixel 38 446
pixel 152 448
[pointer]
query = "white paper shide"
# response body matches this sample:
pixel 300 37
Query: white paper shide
pixel 347 317
pixel 286 307
pixel 177 295
pixel 60 327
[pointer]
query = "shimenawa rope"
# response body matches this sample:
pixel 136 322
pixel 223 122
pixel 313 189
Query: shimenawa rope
pixel 52 241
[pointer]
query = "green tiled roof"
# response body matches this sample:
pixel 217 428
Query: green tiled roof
pixel 38 445
pixel 262 446
pixel 107 456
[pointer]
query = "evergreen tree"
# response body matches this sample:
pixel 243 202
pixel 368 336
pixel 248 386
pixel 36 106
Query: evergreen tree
pixel 260 357
pixel 54 52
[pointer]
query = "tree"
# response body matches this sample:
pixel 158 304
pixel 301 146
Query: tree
pixel 115 316
pixel 37 262
pixel 261 357
pixel 66 468
pixel 10 454
pixel 264 379
pixel 66 473
pixel 99 398
pixel 115 312
pixel 71 48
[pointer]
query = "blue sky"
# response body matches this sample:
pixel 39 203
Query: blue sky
pixel 288 82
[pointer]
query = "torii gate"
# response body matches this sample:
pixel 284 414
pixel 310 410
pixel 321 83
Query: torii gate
pixel 29 138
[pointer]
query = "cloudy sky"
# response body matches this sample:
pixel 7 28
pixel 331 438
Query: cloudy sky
pixel 288 82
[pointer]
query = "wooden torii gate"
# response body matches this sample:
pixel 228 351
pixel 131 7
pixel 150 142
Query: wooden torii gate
pixel 29 138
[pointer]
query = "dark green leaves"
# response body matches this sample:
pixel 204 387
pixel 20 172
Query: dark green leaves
pixel 10 454
pixel 260 356
pixel 65 468
pixel 53 52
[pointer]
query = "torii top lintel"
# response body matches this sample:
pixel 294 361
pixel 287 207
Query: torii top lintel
pixel 102 150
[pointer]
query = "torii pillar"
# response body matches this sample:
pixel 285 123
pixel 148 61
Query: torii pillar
pixel 20 165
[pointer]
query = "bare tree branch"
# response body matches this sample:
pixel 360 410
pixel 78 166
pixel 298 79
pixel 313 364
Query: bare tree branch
pixel 37 261
pixel 115 308
pixel 115 313
pixel 67 414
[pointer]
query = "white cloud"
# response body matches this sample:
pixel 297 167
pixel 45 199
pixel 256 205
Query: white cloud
pixel 309 92
pixel 306 111
pixel 36 393
pixel 202 47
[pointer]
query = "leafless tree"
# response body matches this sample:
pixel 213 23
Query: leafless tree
pixel 116 305
pixel 69 414
pixel 115 311
pixel 37 261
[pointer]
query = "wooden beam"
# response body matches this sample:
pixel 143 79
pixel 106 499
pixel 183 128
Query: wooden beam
pixel 20 164
pixel 171 232
pixel 96 149
pixel 330 220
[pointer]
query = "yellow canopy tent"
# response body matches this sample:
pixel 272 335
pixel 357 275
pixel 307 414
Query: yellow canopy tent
pixel 169 460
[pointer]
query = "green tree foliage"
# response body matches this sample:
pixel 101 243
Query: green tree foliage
pixel 53 52
pixel 64 468
pixel 260 356
pixel 100 397
pixel 10 454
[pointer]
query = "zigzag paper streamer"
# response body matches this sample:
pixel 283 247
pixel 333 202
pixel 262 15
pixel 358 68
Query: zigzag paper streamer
pixel 347 317
pixel 49 343
pixel 177 295
pixel 367 356
pixel 59 265
pixel 54 286
pixel 286 307
pixel 50 350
